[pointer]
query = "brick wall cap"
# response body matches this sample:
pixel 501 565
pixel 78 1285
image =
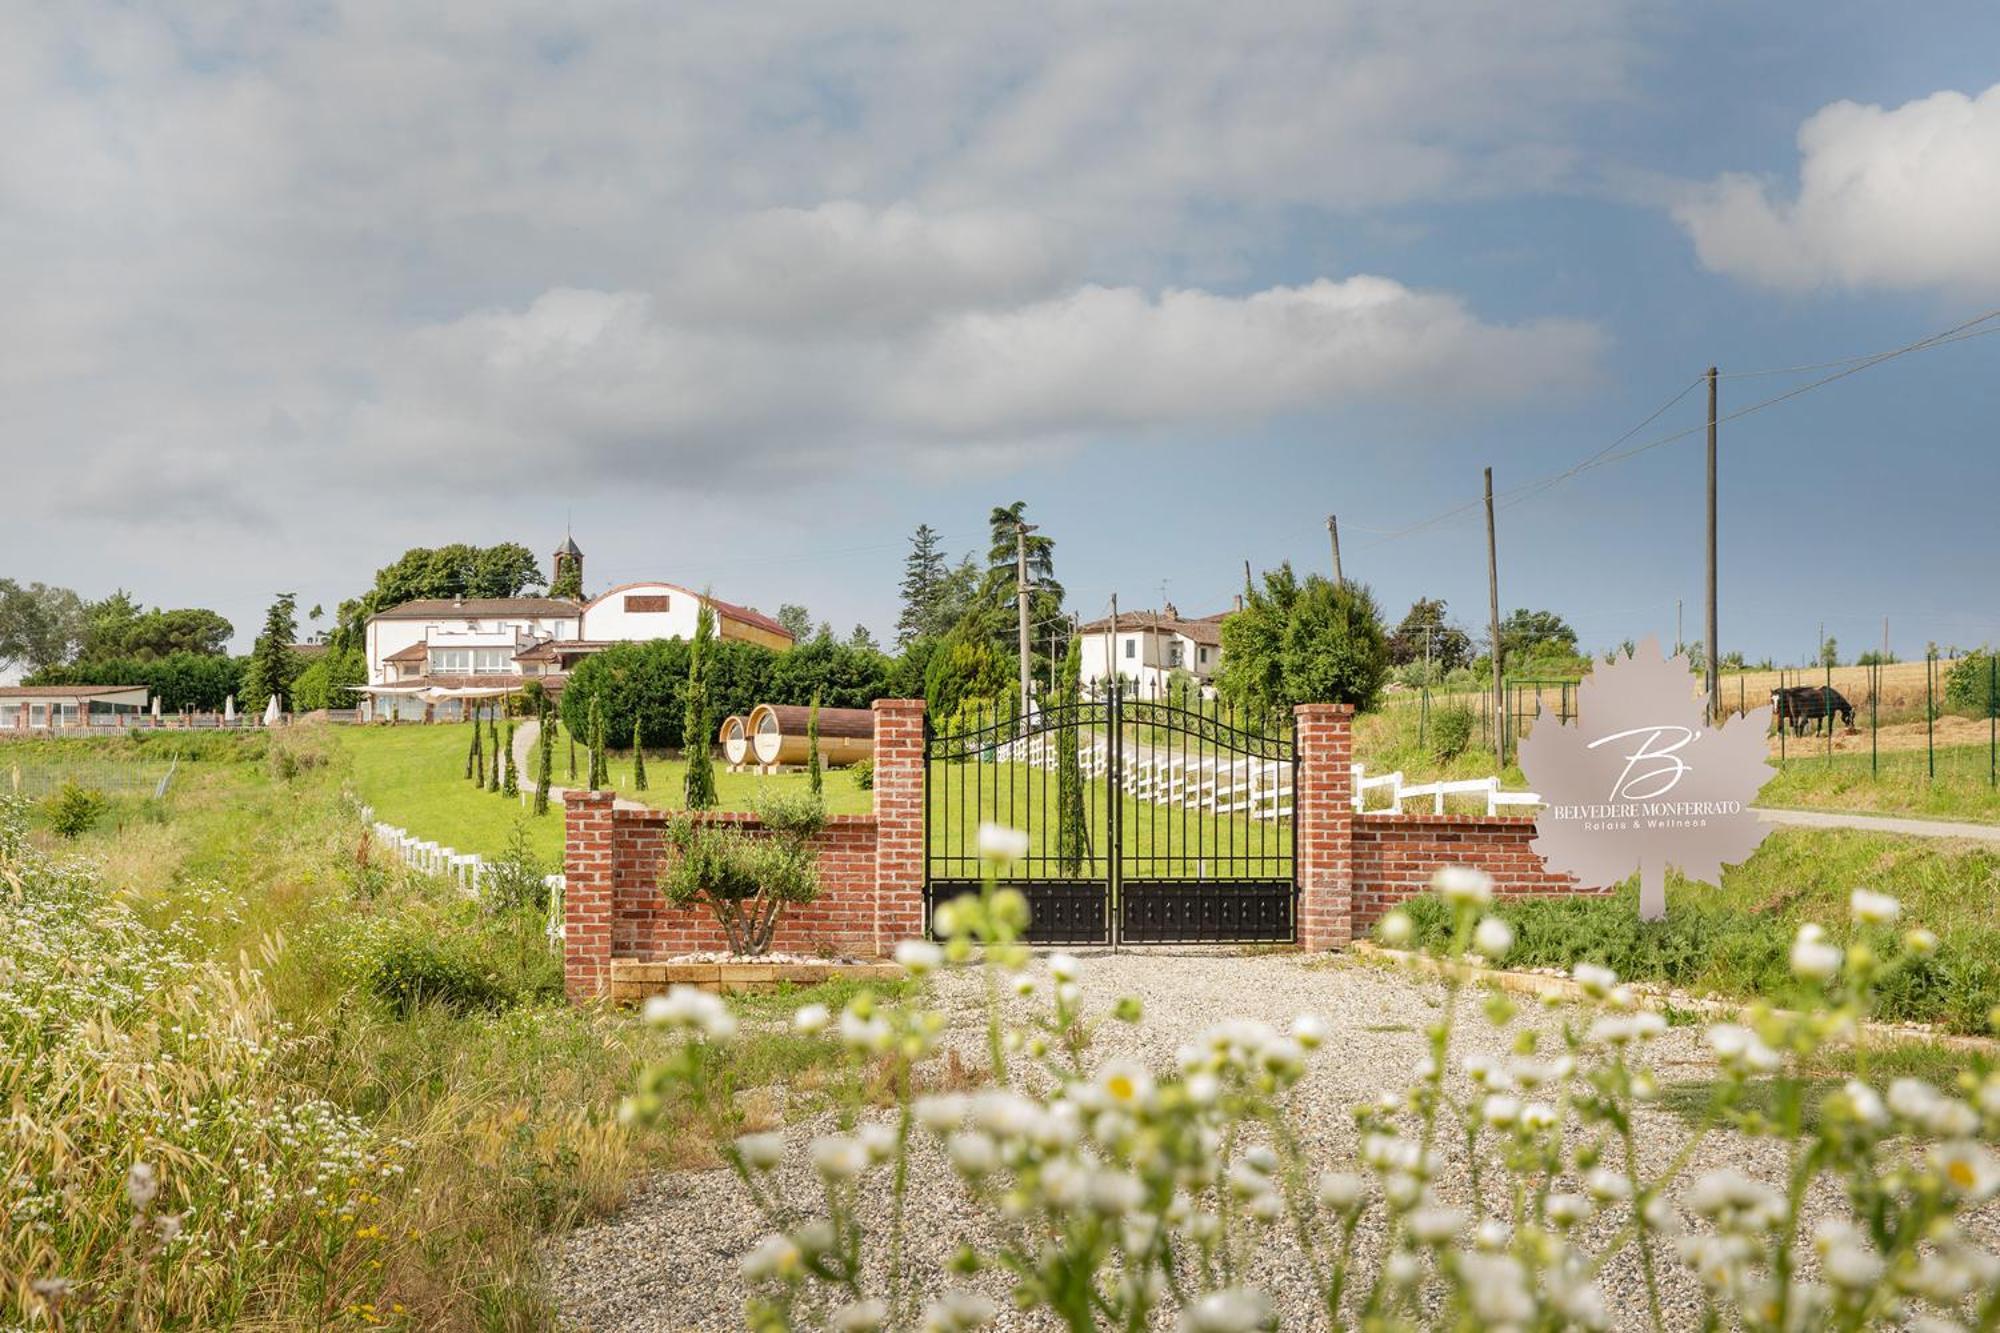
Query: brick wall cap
pixel 575 796
pixel 1430 819
pixel 1323 710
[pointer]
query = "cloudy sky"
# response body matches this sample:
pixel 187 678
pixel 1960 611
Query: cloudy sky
pixel 748 291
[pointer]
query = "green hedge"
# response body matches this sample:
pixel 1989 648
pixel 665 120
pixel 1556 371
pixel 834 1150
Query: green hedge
pixel 645 683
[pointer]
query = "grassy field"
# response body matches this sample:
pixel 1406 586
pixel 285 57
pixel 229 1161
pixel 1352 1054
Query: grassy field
pixel 361 1096
pixel 1734 941
pixel 1903 784
pixel 414 778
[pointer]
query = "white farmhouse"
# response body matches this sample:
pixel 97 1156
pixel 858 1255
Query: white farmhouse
pixel 1146 648
pixel 427 660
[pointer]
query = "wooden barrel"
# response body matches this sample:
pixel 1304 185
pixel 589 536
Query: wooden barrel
pixel 735 737
pixel 778 735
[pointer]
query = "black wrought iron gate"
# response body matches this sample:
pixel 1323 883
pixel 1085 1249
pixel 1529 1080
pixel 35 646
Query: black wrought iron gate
pixel 1148 821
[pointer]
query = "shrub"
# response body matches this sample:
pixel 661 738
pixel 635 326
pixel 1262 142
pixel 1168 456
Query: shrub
pixel 1451 731
pixel 864 774
pixel 517 878
pixel 74 809
pixel 415 969
pixel 746 880
pixel 1969 684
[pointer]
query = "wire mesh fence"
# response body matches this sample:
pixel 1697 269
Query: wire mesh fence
pixel 35 776
pixel 1934 720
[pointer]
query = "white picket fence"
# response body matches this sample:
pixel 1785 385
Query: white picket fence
pixel 467 871
pixel 1218 784
pixel 1262 787
pixel 1396 793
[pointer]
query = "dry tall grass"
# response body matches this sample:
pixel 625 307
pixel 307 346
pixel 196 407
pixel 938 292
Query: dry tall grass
pixel 213 1124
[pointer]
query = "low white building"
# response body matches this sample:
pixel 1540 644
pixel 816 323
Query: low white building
pixel 54 707
pixel 427 660
pixel 1146 648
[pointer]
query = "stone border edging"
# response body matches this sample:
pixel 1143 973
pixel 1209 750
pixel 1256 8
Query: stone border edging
pixel 632 980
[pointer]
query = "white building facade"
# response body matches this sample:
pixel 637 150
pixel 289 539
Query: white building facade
pixel 434 660
pixel 1146 649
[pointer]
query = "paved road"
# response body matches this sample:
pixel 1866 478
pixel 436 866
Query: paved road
pixel 1921 828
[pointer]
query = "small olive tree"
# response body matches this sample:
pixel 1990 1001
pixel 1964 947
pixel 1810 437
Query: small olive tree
pixel 746 880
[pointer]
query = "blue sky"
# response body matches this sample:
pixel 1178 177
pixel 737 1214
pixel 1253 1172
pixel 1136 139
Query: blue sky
pixel 749 293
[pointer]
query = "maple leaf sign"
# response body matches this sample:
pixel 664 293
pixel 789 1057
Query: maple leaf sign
pixel 1642 780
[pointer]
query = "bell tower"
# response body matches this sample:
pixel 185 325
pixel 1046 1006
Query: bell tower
pixel 566 571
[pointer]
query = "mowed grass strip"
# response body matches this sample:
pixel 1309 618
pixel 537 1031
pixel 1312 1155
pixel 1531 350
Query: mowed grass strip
pixel 1957 784
pixel 1734 942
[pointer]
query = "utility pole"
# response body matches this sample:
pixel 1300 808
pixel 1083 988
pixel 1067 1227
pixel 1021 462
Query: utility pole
pixel 1111 647
pixel 1711 653
pixel 1493 605
pixel 1021 531
pixel 1333 535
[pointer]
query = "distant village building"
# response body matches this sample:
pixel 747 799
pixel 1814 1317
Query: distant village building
pixel 51 707
pixel 427 660
pixel 1146 649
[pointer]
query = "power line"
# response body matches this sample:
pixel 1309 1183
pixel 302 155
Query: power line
pixel 1611 453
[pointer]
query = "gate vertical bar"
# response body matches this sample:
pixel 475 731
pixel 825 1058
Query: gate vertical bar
pixel 1114 793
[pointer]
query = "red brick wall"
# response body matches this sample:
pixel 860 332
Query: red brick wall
pixel 870 871
pixel 1395 856
pixel 1351 869
pixel 1323 824
pixel 840 920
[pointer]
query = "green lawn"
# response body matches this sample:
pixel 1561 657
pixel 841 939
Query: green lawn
pixel 413 776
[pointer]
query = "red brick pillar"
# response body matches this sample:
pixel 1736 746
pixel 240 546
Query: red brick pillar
pixel 1323 822
pixel 899 821
pixel 587 888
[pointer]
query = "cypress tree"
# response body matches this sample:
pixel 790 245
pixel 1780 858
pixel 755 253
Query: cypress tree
pixel 638 759
pixel 572 754
pixel 594 742
pixel 812 746
pixel 698 788
pixel 478 751
pixel 493 739
pixel 472 751
pixel 545 760
pixel 512 785
pixel 1072 820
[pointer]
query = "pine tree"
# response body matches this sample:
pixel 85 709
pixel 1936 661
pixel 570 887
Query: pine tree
pixel 924 576
pixel 698 784
pixel 546 760
pixel 273 665
pixel 638 759
pixel 812 746
pixel 478 750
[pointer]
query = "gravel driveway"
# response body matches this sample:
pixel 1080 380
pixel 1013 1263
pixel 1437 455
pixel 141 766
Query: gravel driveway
pixel 669 1260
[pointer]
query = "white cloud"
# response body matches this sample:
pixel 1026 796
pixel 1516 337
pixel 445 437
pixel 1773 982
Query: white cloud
pixel 277 258
pixel 1899 199
pixel 621 386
